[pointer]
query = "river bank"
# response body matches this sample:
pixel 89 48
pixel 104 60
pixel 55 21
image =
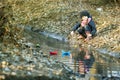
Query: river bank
pixel 32 58
pixel 106 17
pixel 60 16
pixel 17 51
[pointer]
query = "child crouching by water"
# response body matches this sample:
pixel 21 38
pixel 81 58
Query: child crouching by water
pixel 86 27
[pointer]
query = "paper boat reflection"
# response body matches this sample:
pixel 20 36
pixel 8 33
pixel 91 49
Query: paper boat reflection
pixel 53 52
pixel 65 53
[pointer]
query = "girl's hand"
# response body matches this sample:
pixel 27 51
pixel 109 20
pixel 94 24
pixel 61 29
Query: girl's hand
pixel 89 19
pixel 83 24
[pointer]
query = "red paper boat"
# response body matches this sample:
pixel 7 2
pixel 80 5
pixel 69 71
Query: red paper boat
pixel 53 53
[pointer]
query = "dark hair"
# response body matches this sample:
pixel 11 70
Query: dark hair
pixel 84 13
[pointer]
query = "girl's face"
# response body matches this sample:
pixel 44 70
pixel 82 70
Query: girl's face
pixel 84 21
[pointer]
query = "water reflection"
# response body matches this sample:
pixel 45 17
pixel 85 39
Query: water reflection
pixel 91 65
pixel 85 60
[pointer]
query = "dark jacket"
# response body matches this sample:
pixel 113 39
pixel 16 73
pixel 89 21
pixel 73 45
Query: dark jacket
pixel 91 25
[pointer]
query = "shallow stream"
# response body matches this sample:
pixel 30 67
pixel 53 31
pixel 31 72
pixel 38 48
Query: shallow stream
pixel 85 63
pixel 79 61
